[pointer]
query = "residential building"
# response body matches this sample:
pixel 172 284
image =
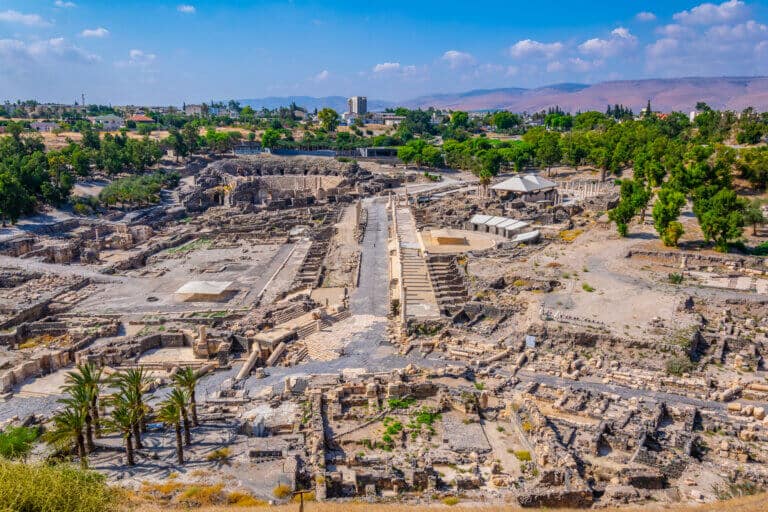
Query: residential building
pixel 392 119
pixel 193 110
pixel 109 122
pixel 141 118
pixel 358 105
pixel 43 126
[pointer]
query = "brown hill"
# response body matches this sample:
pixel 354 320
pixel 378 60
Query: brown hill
pixel 666 95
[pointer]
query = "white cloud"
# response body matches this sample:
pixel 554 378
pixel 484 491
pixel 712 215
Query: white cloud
pixel 385 67
pixel 620 41
pixel 29 20
pixel 645 16
pixel 555 66
pixel 531 48
pixel 95 32
pixel 580 65
pixel 138 59
pixel 674 30
pixel 662 47
pixel 323 75
pixel 186 9
pixel 747 30
pixel 63 4
pixel 56 48
pixel 709 14
pixel 457 59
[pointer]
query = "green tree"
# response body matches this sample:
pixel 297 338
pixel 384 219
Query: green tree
pixel 460 119
pixel 634 198
pixel 187 379
pixel 14 198
pixel 504 120
pixel 270 138
pixel 720 216
pixel 170 414
pixel 67 430
pixel 548 151
pixel 753 215
pixel 329 119
pixel 122 420
pixel 130 384
pixel 665 211
pixel 181 399
pixel 88 377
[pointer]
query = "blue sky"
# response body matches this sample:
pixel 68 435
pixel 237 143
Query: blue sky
pixel 157 52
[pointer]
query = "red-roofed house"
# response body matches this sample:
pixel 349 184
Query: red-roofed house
pixel 141 118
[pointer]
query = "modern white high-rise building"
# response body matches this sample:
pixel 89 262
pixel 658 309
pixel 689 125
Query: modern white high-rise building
pixel 358 105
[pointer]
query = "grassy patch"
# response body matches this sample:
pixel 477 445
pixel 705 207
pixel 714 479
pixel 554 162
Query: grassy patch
pixel 60 488
pixel 200 243
pixel 15 442
pixel 400 403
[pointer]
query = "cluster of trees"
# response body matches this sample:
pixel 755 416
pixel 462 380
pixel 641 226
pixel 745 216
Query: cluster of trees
pixel 417 151
pixel 700 174
pixel 142 189
pixel 28 175
pixel 80 422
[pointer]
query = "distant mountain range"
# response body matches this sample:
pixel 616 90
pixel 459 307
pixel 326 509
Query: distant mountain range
pixel 666 95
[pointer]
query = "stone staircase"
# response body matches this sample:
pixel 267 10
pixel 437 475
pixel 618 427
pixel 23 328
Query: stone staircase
pixel 447 281
pixel 420 300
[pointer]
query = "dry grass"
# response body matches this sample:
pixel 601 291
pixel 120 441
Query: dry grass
pixel 745 504
pixel 569 235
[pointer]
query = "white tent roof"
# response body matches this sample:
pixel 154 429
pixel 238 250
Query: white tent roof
pixel 204 288
pixel 524 184
pixel 526 237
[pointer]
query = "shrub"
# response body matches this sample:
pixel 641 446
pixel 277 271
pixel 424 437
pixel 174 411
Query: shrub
pixel 451 501
pixel 675 278
pixel 203 495
pixel 220 455
pixel 61 488
pixel 672 234
pixel 308 496
pixel 761 250
pixel 679 365
pixel 281 491
pixel 16 442
pixel 523 455
pixel 241 499
pixel 587 288
pixel 569 235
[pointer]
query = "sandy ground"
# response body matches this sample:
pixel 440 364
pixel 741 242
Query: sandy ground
pixel 597 259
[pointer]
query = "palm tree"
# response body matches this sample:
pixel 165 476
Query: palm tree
pixel 123 421
pixel 181 399
pixel 68 429
pixel 131 383
pixel 89 376
pixel 80 399
pixel 186 379
pixel 170 414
